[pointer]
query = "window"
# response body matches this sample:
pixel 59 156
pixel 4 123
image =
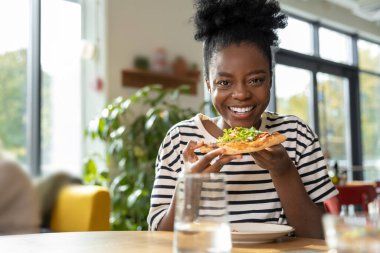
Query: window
pixel 293 90
pixel 335 93
pixel 13 77
pixel 369 56
pixel 370 121
pixel 290 36
pixel 369 64
pixel 61 89
pixel 60 97
pixel 335 46
pixel 333 116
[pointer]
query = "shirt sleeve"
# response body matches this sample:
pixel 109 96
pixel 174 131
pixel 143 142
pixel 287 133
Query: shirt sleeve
pixel 312 169
pixel 168 167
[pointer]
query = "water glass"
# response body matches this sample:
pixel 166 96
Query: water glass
pixel 359 233
pixel 374 206
pixel 201 223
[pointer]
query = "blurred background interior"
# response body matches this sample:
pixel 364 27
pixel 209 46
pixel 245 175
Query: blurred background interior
pixel 64 62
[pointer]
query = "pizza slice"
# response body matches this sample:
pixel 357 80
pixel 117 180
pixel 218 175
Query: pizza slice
pixel 240 140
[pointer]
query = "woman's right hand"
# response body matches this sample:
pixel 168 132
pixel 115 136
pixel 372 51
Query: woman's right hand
pixel 203 165
pixel 197 165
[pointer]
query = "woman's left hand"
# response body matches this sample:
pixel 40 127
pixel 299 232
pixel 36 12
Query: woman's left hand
pixel 275 159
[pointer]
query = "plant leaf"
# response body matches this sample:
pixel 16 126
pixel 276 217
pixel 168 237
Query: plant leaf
pixel 132 130
pixel 133 197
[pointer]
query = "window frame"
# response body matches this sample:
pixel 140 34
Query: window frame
pixel 315 64
pixel 34 90
pixel 34 85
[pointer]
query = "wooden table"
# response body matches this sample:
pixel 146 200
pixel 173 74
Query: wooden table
pixel 132 241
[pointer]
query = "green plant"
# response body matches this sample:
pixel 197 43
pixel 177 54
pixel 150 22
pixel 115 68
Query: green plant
pixel 132 130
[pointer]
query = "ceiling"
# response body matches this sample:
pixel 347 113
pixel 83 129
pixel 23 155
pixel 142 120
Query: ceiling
pixel 366 9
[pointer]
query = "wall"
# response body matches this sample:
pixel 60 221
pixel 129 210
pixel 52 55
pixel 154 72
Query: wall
pixel 93 67
pixel 138 28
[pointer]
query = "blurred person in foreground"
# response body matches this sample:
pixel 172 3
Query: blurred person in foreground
pixel 19 211
pixel 283 184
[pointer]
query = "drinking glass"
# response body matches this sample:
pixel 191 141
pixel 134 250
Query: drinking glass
pixel 201 223
pixel 357 233
pixel 374 206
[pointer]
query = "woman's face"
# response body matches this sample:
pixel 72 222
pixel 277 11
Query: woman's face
pixel 239 84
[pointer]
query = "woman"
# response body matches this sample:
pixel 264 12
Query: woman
pixel 284 184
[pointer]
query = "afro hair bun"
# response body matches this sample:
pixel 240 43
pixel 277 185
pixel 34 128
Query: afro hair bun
pixel 216 16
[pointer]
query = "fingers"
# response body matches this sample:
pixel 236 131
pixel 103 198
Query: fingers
pixel 189 154
pixel 272 158
pixel 196 165
pixel 219 163
pixel 207 158
pixel 205 161
pixel 268 153
pixel 204 164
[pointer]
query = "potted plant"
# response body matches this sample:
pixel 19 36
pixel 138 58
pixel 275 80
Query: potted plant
pixel 132 130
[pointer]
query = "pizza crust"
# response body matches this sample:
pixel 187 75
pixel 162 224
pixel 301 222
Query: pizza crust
pixel 232 148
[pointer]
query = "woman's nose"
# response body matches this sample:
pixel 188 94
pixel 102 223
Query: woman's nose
pixel 241 92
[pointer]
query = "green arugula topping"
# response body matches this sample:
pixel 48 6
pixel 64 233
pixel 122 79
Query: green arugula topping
pixel 239 134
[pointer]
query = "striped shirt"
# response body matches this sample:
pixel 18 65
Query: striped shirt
pixel 251 194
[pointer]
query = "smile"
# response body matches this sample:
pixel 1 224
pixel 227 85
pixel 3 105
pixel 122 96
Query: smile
pixel 241 109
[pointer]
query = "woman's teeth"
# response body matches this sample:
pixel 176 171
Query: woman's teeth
pixel 241 109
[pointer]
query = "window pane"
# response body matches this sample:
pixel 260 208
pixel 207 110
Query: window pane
pixel 333 117
pixel 14 25
pixel 370 108
pixel 61 102
pixel 292 97
pixel 290 36
pixel 335 46
pixel 369 56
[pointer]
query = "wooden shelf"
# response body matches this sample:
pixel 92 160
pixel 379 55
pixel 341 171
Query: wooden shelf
pixel 141 78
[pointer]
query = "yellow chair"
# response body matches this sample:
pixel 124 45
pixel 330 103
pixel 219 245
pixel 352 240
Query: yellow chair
pixel 81 208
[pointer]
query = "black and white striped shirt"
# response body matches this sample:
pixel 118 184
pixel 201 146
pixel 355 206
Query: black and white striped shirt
pixel 251 194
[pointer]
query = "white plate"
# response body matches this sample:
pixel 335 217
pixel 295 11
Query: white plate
pixel 248 233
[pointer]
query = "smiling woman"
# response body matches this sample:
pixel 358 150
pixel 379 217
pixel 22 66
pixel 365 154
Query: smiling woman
pixel 285 183
pixel 240 97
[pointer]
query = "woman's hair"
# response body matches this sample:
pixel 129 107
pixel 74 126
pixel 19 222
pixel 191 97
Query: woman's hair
pixel 220 23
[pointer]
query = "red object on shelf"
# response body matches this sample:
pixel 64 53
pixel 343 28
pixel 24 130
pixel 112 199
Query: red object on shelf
pixel 99 84
pixel 351 195
pixel 160 61
pixel 179 66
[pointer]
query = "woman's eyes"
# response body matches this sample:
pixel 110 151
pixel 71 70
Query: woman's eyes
pixel 252 82
pixel 223 83
pixel 256 81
